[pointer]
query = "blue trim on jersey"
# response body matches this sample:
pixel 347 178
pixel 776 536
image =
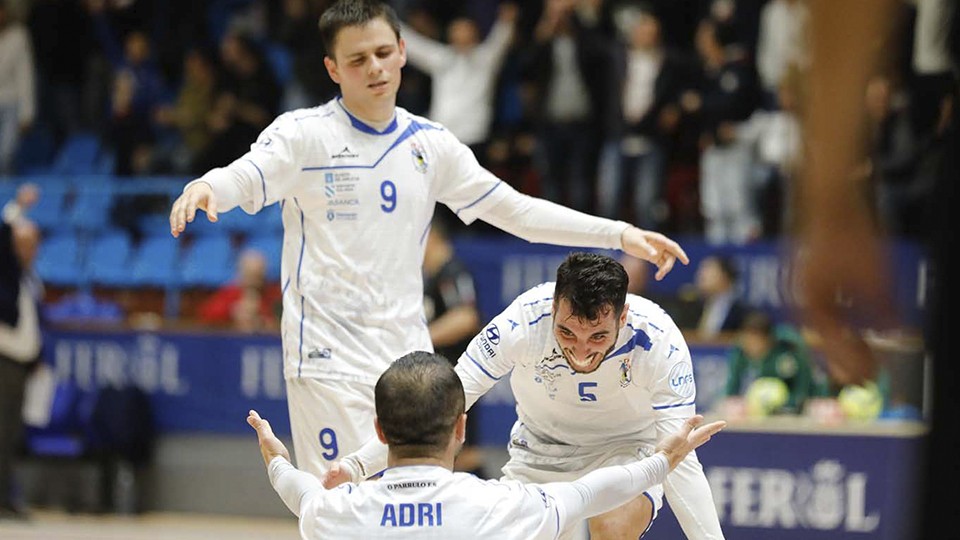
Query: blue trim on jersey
pixel 263 183
pixel 639 338
pixel 662 407
pixel 300 365
pixel 485 372
pixel 358 124
pixel 313 116
pixel 535 321
pixel 538 301
pixel 411 129
pixel 653 514
pixel 556 510
pixel 285 285
pixel 303 242
pixel 425 231
pixel 482 197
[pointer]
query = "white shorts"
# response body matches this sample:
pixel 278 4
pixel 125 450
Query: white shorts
pixel 533 460
pixel 328 420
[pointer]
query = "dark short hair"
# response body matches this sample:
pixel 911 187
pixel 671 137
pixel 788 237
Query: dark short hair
pixel 419 399
pixel 592 283
pixel 353 13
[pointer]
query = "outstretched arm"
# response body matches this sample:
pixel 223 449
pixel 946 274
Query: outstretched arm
pixel 295 487
pixel 609 487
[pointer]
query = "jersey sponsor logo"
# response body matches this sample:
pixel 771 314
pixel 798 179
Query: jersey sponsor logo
pixel 486 348
pixel 324 353
pixel 342 216
pixel 681 379
pixel 419 157
pixel 673 349
pixel 412 515
pixel 493 334
pixel 345 153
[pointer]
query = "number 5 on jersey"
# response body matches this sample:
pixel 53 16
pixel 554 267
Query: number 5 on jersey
pixel 585 394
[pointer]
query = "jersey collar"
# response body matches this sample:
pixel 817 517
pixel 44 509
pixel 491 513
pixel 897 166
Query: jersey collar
pixel 366 128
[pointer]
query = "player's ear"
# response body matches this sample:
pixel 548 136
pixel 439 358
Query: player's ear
pixel 380 435
pixel 460 429
pixel 623 314
pixel 332 70
pixel 402 46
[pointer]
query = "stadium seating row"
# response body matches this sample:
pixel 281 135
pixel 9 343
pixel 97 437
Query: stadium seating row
pixel 112 259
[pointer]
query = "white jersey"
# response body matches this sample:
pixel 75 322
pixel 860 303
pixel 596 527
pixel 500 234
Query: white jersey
pixel 357 204
pixel 643 390
pixel 428 501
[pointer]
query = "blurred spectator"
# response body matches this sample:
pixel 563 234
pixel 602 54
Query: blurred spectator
pixel 464 74
pixel 573 99
pixel 297 30
pixel 188 114
pixel 727 96
pixel 775 143
pixel 449 304
pixel 249 303
pixel 763 350
pixel 137 89
pixel 20 344
pixel 247 99
pixel 718 304
pixel 16 209
pixel 18 93
pixel 782 44
pixel 63 42
pixel 634 160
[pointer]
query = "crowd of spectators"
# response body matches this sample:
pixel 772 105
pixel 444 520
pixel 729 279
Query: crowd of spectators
pixel 683 116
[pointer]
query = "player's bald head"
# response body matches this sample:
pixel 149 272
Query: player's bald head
pixel 419 399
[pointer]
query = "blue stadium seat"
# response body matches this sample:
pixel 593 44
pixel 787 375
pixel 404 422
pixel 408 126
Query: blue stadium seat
pixel 59 260
pixel 35 151
pixel 92 203
pixel 108 259
pixel 155 260
pixel 49 211
pixel 79 154
pixel 271 245
pixel 208 262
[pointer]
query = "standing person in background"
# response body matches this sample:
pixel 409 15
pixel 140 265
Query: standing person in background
pixel 464 74
pixel 721 309
pixel 18 94
pixel 20 344
pixel 450 306
pixel 358 180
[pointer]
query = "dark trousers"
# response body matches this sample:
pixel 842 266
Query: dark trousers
pixel 13 378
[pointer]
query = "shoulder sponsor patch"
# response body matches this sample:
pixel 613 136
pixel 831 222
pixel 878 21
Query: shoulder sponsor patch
pixel 493 334
pixel 681 379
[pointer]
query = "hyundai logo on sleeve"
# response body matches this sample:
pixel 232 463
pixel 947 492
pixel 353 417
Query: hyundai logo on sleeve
pixel 493 334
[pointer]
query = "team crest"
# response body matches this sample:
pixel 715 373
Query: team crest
pixel 419 157
pixel 626 373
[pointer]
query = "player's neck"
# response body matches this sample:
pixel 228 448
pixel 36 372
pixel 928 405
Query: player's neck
pixel 376 115
pixel 436 461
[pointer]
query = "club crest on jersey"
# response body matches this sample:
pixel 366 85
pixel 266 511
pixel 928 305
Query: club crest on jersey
pixel 419 157
pixel 626 373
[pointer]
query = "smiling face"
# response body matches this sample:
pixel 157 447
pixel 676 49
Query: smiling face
pixel 586 343
pixel 366 64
